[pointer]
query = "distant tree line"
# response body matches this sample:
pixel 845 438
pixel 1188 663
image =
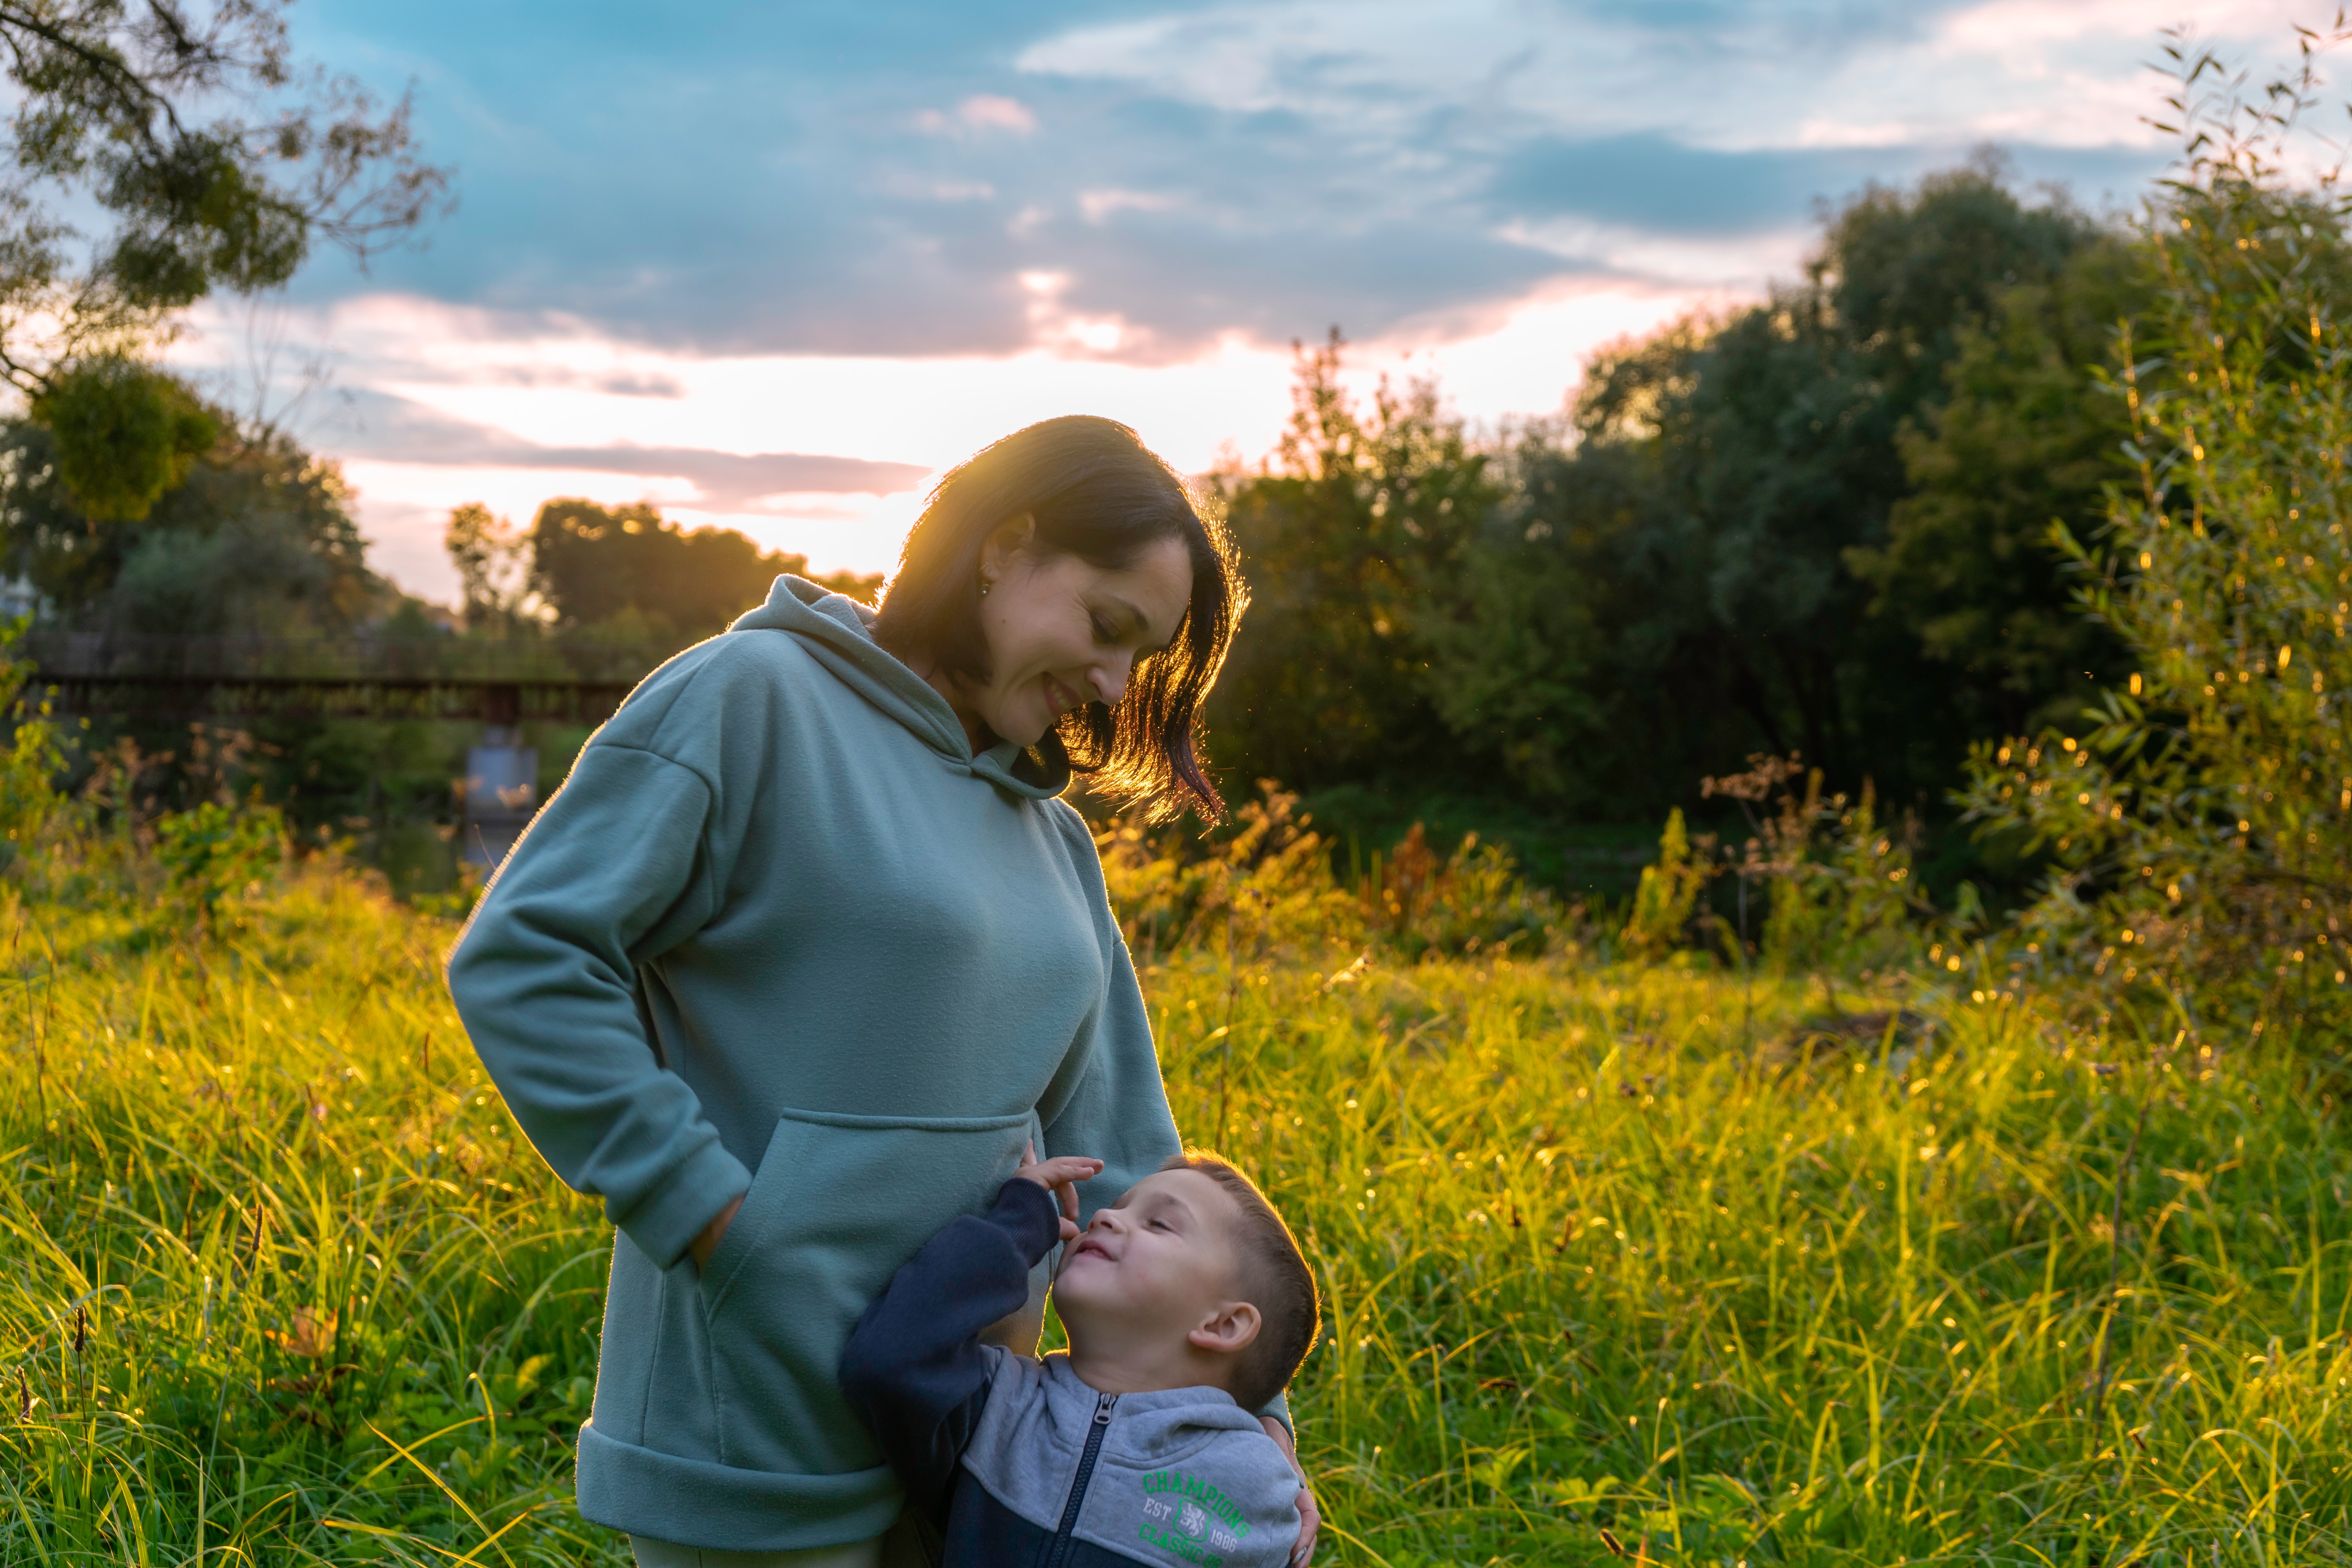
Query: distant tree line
pixel 622 575
pixel 1820 524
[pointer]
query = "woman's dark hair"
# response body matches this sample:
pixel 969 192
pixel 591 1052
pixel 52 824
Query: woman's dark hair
pixel 1095 491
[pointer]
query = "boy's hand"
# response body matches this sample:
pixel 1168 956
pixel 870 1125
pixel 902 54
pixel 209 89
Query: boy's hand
pixel 1061 1177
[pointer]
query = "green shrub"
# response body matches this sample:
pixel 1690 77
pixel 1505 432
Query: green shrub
pixel 2196 826
pixel 32 757
pixel 125 432
pixel 1267 886
pixel 1667 899
pixel 215 851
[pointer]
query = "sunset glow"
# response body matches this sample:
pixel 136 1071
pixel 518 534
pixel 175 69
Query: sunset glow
pixel 982 235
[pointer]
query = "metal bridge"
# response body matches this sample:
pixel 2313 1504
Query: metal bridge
pixel 232 677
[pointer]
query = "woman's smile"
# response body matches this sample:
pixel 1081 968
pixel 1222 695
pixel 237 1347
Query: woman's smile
pixel 1059 698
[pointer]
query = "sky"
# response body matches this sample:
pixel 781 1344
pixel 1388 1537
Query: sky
pixel 774 267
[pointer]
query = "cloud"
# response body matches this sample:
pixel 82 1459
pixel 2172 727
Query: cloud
pixel 639 385
pixel 1098 205
pixel 981 111
pixel 441 406
pixel 879 179
pixel 988 111
pixel 388 429
pixel 620 383
pixel 729 481
pixel 1649 183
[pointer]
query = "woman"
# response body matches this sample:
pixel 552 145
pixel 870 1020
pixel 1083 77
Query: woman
pixel 806 951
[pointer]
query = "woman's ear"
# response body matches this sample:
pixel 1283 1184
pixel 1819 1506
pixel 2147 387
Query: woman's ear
pixel 1005 540
pixel 1231 1328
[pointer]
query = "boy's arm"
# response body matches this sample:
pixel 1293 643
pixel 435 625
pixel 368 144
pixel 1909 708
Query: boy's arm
pixel 913 1369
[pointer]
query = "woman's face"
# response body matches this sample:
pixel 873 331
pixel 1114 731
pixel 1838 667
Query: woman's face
pixel 1061 633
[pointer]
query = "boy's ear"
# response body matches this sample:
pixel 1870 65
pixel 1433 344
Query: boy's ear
pixel 1233 1327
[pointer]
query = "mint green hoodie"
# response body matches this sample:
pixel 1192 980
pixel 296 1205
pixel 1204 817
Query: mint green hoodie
pixel 780 936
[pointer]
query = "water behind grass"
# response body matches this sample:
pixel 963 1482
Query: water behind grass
pixel 1616 1261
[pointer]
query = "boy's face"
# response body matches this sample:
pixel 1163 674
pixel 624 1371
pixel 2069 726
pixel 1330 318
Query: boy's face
pixel 1159 1262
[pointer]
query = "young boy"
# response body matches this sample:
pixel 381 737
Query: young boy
pixel 1187 1305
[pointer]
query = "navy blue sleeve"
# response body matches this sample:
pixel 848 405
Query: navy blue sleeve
pixel 914 1371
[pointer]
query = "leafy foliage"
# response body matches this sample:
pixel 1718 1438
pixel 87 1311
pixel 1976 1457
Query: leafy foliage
pixel 627 570
pixel 1352 538
pixel 255 536
pixel 2025 437
pixel 217 157
pixel 31 760
pixel 1840 893
pixel 1759 530
pixel 1667 898
pixel 1762 450
pixel 213 851
pixel 2196 829
pixel 1266 885
pixel 124 435
pixel 493 563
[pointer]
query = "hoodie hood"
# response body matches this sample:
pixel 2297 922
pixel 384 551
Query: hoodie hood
pixel 838 632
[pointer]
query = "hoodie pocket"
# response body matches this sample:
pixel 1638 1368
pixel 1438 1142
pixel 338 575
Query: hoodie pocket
pixel 838 1203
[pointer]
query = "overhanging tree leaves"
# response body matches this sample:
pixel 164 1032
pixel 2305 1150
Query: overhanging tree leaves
pixel 217 160
pixel 124 435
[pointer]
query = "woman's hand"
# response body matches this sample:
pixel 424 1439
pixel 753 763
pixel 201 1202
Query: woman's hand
pixel 707 1242
pixel 1310 1518
pixel 1061 1177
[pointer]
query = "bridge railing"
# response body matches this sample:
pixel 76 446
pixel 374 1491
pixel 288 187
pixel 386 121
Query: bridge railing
pixel 499 682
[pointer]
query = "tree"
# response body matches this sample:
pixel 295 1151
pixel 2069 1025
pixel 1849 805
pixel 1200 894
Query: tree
pixel 2027 437
pixel 255 537
pixel 1352 538
pixel 493 563
pixel 2195 828
pixel 1673 585
pixel 1579 659
pixel 628 573
pixel 213 160
pixel 124 433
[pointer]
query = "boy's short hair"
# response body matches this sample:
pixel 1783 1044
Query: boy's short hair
pixel 1275 1279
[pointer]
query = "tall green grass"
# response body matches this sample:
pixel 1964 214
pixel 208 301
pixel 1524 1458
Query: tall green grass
pixel 1612 1255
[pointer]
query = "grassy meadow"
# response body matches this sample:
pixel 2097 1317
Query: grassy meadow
pixel 1619 1260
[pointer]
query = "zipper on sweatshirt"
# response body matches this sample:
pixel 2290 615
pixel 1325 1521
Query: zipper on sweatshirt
pixel 1060 1550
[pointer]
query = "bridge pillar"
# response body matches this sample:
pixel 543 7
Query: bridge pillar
pixel 501 793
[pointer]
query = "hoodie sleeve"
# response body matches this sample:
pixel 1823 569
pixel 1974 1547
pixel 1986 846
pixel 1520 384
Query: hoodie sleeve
pixel 913 1369
pixel 1117 1110
pixel 614 870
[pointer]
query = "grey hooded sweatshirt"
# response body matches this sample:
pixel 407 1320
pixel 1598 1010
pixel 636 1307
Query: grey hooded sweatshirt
pixel 780 936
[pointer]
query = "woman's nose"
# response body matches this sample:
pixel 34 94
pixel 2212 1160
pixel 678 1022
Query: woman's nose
pixel 1110 680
